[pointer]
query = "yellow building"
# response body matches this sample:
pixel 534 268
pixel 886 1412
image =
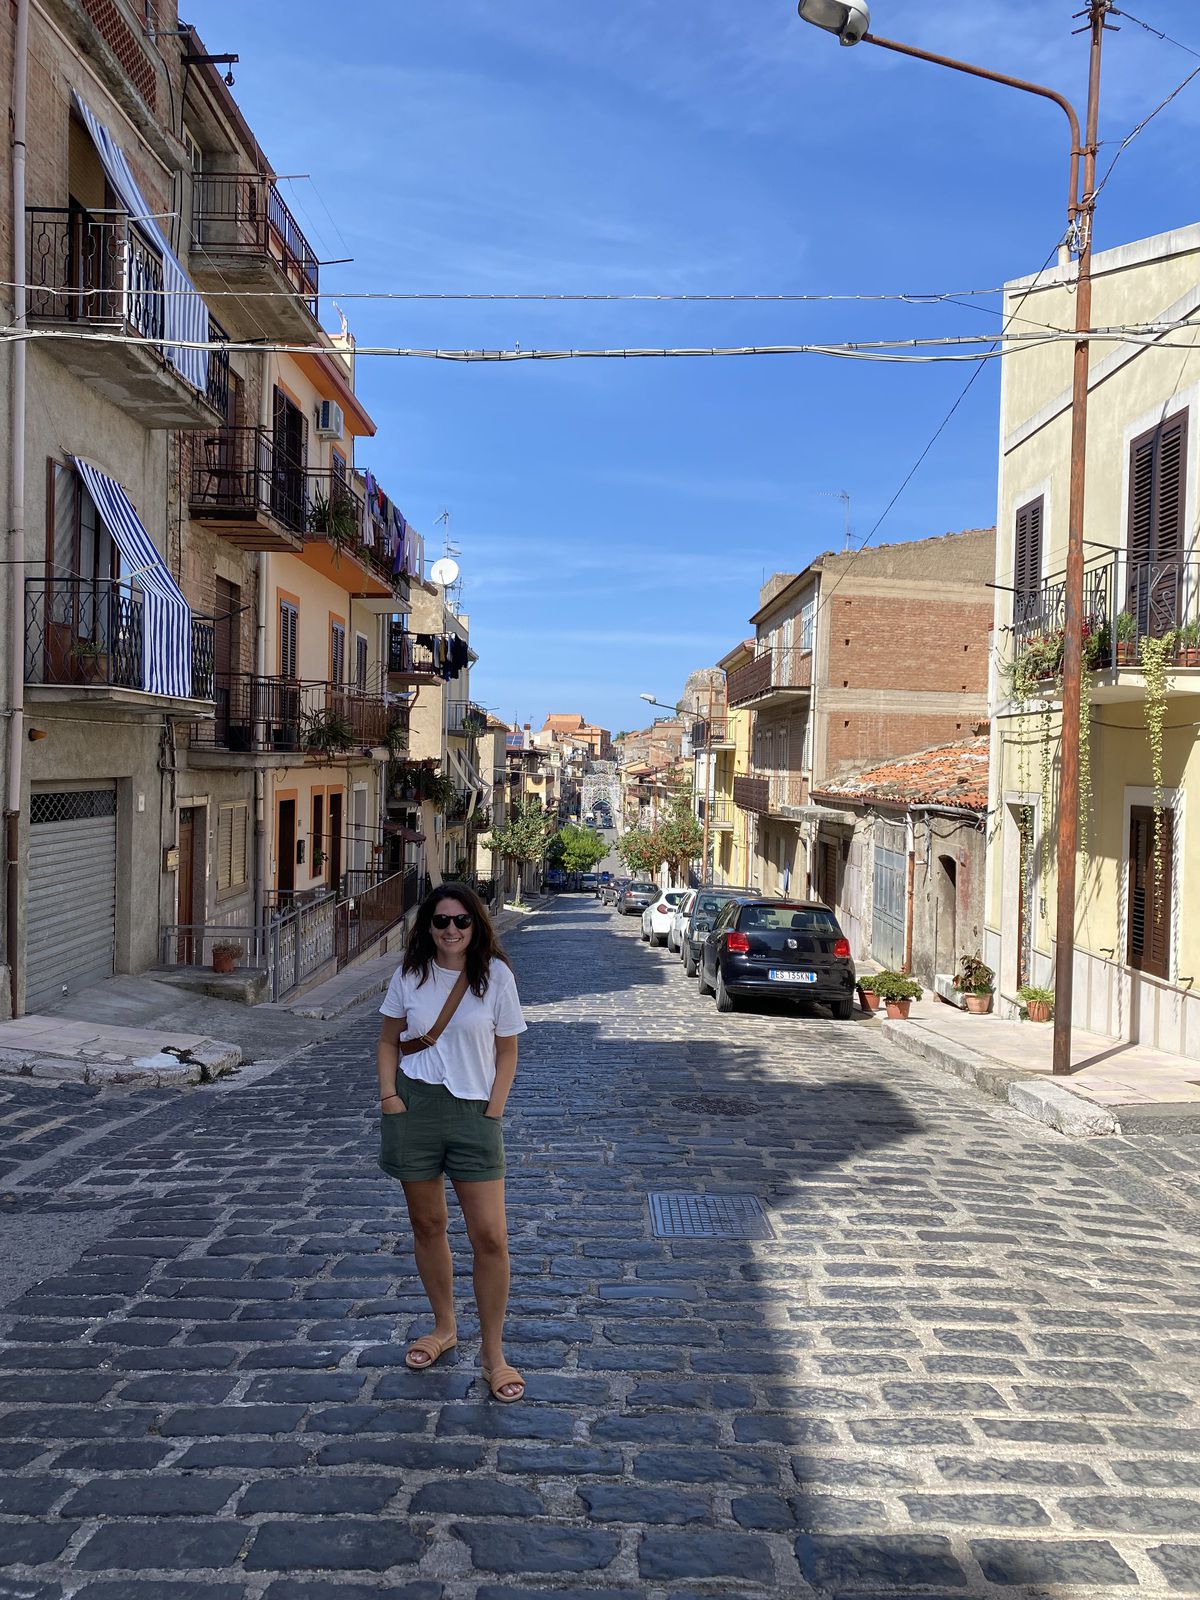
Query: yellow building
pixel 1136 955
pixel 735 854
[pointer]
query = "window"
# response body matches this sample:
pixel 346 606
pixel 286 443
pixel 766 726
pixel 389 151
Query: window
pixel 233 830
pixel 337 652
pixel 1027 550
pixel 360 662
pixel 318 834
pixel 1156 493
pixel 289 628
pixel 808 616
pixel 1149 944
pixel 227 628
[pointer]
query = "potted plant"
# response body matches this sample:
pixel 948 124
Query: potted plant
pixel 1038 1003
pixel 334 516
pixel 89 661
pixel 974 980
pixel 1189 644
pixel 224 953
pixel 866 987
pixel 328 732
pixel 1126 632
pixel 897 991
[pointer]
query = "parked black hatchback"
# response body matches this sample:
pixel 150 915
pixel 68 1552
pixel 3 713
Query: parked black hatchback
pixel 793 948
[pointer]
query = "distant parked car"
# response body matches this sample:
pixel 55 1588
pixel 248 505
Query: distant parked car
pixel 636 896
pixel 793 948
pixel 656 919
pixel 709 902
pixel 611 892
pixel 589 882
pixel 678 917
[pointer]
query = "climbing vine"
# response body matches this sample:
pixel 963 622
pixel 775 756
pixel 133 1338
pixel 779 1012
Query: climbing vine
pixel 1156 654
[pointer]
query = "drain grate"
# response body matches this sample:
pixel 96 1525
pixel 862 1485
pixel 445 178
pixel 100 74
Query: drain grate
pixel 708 1216
pixel 714 1105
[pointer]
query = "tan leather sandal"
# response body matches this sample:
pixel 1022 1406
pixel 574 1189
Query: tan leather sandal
pixel 497 1377
pixel 428 1345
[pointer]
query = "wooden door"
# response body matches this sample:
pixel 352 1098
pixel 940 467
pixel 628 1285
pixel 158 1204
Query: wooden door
pixel 186 886
pixel 285 848
pixel 1026 896
pixel 335 839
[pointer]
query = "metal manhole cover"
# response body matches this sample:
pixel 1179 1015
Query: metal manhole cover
pixel 709 1216
pixel 714 1105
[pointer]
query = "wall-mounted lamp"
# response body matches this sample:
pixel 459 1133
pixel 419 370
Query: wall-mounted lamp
pixel 194 60
pixel 37 733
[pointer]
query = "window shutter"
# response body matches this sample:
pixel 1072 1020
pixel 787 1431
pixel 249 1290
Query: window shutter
pixel 1141 500
pixel 337 653
pixel 1169 500
pixel 1027 548
pixel 239 832
pixel 360 645
pixel 288 619
pixel 224 847
pixel 1149 942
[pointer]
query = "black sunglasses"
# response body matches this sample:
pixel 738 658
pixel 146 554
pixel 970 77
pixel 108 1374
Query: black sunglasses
pixel 442 919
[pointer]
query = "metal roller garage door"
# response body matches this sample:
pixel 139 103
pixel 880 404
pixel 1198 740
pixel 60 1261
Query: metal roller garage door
pixel 72 900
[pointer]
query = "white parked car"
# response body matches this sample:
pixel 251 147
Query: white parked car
pixel 656 919
pixel 678 917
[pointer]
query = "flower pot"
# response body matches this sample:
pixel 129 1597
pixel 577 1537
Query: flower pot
pixel 870 998
pixel 1189 656
pixel 223 960
pixel 1038 1011
pixel 897 1010
pixel 978 1004
pixel 1126 651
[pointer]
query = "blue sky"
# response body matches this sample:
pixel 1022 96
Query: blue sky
pixel 615 519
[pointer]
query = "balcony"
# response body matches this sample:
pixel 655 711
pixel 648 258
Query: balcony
pixel 776 794
pixel 1125 605
pixel 712 733
pixel 330 510
pixel 719 814
pixel 94 272
pixel 774 678
pixel 408 660
pixel 259 720
pixel 85 641
pixel 465 719
pixel 235 491
pixel 247 239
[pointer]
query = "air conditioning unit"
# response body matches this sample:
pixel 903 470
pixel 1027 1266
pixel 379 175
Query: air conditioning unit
pixel 330 421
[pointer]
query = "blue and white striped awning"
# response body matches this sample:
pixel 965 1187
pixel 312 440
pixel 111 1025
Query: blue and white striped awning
pixel 166 615
pixel 185 315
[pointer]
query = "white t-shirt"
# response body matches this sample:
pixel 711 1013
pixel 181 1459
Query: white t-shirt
pixel 464 1059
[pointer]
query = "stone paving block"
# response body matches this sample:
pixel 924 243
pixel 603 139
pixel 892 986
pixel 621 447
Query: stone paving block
pixel 1090 1563
pixel 704 1555
pixel 143 1496
pixel 917 1559
pixel 1158 1474
pixel 245 1453
pixel 626 1503
pixel 1179 1564
pixel 1110 1513
pixel 419 1455
pixel 158 1589
pixel 1022 1430
pixel 977 1510
pixel 851 1474
pixel 501 1548
pixel 187 1546
pixel 319 1544
pixel 1001 1469
pixel 323 1495
pixel 706 1466
pixel 31 1496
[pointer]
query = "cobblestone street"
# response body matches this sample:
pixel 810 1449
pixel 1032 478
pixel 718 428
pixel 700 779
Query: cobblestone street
pixel 966 1364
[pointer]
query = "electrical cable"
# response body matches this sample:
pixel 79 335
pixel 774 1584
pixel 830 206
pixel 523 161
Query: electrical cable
pixel 1144 123
pixel 1157 32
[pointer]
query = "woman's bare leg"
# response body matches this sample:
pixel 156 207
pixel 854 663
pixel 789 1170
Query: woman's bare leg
pixel 429 1218
pixel 487 1228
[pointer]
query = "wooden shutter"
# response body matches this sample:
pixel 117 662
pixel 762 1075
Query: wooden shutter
pixel 289 619
pixel 224 847
pixel 360 665
pixel 227 626
pixel 1149 943
pixel 240 835
pixel 337 653
pixel 1157 490
pixel 1027 548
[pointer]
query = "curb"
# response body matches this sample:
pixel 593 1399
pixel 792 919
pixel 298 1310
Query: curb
pixel 168 1068
pixel 1048 1103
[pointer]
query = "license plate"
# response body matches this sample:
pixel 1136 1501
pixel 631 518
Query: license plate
pixel 788 976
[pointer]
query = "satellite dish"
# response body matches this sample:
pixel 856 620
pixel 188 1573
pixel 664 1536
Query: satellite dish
pixel 444 571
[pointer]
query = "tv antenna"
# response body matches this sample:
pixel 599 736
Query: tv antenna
pixel 844 496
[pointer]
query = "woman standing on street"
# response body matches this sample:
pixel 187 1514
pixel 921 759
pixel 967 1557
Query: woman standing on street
pixel 446 1058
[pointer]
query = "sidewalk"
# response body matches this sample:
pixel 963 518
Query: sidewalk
pixel 144 1032
pixel 1114 1087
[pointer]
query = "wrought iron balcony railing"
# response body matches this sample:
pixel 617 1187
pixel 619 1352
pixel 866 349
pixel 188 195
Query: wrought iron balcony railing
pixel 89 632
pixel 1124 604
pixel 710 733
pixel 406 655
pixel 774 671
pixel 292 715
pixel 466 718
pixel 97 268
pixel 244 212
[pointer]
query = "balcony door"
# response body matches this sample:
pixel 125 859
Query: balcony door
pixel 1155 540
pixel 289 441
pixel 80 614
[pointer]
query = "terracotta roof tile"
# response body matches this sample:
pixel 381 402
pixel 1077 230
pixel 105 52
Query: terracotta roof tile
pixel 948 774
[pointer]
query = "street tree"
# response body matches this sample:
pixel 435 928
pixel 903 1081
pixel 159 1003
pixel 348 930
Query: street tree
pixel 582 848
pixel 523 838
pixel 681 837
pixel 642 852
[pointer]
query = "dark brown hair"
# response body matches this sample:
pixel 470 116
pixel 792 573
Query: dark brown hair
pixel 483 949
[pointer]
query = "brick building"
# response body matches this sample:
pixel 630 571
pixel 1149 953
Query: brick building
pixel 863 655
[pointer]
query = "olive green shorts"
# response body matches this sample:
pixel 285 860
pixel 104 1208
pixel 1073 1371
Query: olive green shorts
pixel 437 1134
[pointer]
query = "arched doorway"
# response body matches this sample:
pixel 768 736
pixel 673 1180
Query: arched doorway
pixel 946 916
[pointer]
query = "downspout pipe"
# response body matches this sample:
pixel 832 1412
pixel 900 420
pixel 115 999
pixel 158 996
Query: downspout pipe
pixel 16 510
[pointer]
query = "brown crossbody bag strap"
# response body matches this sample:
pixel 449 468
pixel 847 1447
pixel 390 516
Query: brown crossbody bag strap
pixel 412 1047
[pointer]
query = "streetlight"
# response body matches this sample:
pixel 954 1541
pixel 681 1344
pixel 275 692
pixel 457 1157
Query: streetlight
pixel 851 20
